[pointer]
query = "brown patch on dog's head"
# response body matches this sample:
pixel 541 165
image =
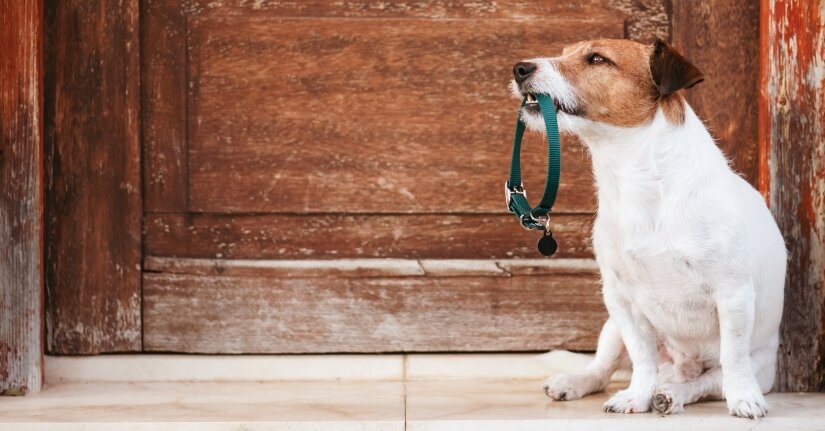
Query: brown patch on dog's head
pixel 622 82
pixel 611 79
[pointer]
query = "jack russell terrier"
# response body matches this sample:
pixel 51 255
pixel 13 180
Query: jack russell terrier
pixel 692 262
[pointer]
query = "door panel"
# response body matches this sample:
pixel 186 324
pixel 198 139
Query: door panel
pixel 165 64
pixel 331 136
pixel 355 116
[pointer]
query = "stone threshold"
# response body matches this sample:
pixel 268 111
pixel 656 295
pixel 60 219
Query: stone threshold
pixel 264 368
pixel 454 392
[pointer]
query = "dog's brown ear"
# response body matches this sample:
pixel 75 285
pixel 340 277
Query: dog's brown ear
pixel 672 72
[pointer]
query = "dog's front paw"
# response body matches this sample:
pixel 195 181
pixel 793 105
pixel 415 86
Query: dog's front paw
pixel 749 403
pixel 628 401
pixel 667 400
pixel 569 387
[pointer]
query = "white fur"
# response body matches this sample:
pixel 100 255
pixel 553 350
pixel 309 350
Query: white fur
pixel 692 263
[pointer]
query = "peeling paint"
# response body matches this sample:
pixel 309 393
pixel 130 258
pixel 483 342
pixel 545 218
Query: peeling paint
pixel 794 142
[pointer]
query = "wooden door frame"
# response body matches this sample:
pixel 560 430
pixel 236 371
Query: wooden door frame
pixel 21 197
pixel 791 145
pixel 93 190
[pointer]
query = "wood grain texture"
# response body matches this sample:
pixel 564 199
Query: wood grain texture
pixel 21 196
pixel 263 141
pixel 432 9
pixel 165 39
pixel 357 268
pixel 163 105
pixel 363 268
pixel 646 19
pixel 164 65
pixel 355 116
pixel 93 231
pixel 357 236
pixel 721 38
pixel 643 19
pixel 793 134
pixel 249 314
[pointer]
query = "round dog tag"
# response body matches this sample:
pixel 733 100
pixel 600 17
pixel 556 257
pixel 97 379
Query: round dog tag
pixel 547 245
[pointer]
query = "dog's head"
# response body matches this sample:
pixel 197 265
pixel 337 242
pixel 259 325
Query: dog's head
pixel 614 82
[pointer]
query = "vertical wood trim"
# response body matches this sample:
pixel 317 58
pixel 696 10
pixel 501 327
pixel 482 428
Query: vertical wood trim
pixel 21 197
pixel 721 38
pixel 94 206
pixel 164 101
pixel 763 177
pixel 794 106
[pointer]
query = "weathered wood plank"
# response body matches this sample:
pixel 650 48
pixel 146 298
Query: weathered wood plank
pixel 21 196
pixel 793 138
pixel 462 268
pixel 357 236
pixel 721 38
pixel 427 9
pixel 249 314
pixel 163 105
pixel 93 231
pixel 358 268
pixel 366 116
pixel 549 266
pixel 362 268
pixel 645 18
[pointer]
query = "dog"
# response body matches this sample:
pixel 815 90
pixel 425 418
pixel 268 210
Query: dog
pixel 691 260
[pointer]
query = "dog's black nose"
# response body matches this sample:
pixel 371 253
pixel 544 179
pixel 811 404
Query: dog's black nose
pixel 523 70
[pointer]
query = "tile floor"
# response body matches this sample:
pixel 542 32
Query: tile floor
pixel 341 392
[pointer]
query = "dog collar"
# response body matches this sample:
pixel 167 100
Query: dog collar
pixel 537 218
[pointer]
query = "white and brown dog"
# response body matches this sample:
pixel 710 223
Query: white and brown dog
pixel 692 262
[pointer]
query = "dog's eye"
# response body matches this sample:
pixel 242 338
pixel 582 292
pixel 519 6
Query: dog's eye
pixel 596 59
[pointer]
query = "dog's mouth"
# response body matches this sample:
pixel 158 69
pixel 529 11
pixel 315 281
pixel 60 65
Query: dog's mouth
pixel 531 106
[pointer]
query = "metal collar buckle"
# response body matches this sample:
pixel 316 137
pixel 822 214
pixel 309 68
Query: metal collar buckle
pixel 509 191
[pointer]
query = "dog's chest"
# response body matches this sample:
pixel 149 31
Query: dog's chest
pixel 661 282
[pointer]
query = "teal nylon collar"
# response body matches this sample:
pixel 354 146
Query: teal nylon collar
pixel 537 217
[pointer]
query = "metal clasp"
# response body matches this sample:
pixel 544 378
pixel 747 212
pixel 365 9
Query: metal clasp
pixel 530 222
pixel 509 191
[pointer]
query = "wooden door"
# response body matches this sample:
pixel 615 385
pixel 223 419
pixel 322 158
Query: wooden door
pixel 325 176
pixel 284 143
pixel 327 133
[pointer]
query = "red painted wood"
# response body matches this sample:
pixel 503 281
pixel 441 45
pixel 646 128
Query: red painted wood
pixel 793 143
